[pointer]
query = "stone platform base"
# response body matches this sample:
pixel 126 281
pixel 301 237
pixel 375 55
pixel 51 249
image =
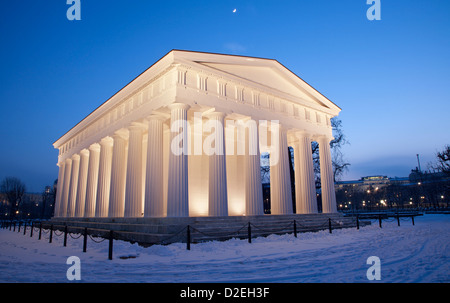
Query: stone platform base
pixel 148 231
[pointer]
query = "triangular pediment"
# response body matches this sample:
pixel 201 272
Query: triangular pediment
pixel 268 73
pixel 263 75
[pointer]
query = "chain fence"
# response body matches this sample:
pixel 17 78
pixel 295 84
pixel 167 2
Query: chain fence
pixel 188 234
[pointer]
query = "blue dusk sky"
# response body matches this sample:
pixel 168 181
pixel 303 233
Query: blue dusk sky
pixel 391 77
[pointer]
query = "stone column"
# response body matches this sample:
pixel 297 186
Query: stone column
pixel 218 198
pixel 59 190
pixel 177 196
pixel 82 182
pixel 154 195
pixel 66 187
pixel 280 181
pixel 73 185
pixel 253 187
pixel 305 188
pixel 104 177
pixel 118 177
pixel 326 176
pixel 92 180
pixel 133 193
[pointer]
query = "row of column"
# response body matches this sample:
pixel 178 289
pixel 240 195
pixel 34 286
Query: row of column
pixel 106 180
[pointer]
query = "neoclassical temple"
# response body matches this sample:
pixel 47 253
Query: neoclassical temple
pixel 184 138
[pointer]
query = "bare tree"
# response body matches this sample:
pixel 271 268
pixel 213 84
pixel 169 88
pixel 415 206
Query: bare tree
pixel 443 159
pixel 340 165
pixel 13 190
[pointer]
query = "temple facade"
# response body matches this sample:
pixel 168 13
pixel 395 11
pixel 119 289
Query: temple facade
pixel 185 137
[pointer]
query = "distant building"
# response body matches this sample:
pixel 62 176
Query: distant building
pixel 370 182
pixel 419 189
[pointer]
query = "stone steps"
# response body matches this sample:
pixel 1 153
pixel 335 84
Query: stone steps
pixel 147 231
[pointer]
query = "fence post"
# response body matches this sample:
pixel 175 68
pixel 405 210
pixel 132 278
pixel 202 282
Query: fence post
pixel 10 225
pixel 25 228
pixel 14 226
pixel 51 234
pixel 329 224
pixel 398 219
pixel 295 229
pixel 412 219
pixel 31 231
pixel 249 232
pixel 379 219
pixel 188 240
pixel 20 223
pixel 85 239
pixel 357 222
pixel 110 250
pixel 40 230
pixel 65 235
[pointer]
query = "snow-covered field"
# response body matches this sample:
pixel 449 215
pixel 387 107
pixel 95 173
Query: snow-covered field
pixel 407 253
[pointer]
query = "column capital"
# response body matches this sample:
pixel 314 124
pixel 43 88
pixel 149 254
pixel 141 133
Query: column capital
pixel 324 138
pixel 215 114
pixel 157 117
pixel 135 126
pixel 94 147
pixel 178 106
pixel 75 157
pixel 303 134
pixel 107 141
pixel 84 152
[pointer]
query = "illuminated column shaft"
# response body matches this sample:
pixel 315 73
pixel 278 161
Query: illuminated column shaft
pixel 218 198
pixel 118 177
pixel 66 187
pixel 133 195
pixel 305 188
pixel 177 196
pixel 59 190
pixel 104 177
pixel 280 181
pixel 154 195
pixel 326 176
pixel 73 185
pixel 253 187
pixel 92 180
pixel 82 183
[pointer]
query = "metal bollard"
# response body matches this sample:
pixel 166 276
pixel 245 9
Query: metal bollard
pixel 40 230
pixel 329 224
pixel 85 240
pixel 379 219
pixel 31 231
pixel 65 235
pixel 412 219
pixel 188 240
pixel 249 232
pixel 357 222
pixel 398 219
pixel 51 234
pixel 25 228
pixel 110 249
pixel 295 229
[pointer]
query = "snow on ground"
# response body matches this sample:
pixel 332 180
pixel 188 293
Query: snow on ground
pixel 407 253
